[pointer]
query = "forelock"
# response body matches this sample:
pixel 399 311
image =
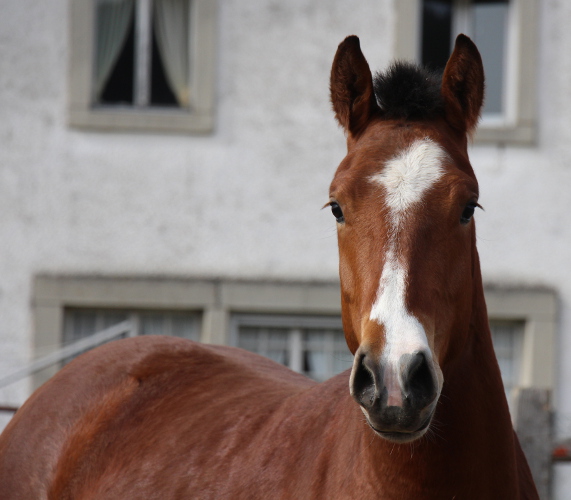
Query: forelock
pixel 408 91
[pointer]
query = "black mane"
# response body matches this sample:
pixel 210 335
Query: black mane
pixel 408 91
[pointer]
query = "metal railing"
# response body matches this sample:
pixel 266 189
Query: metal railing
pixel 128 327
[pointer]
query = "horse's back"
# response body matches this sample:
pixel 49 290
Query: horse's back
pixel 121 416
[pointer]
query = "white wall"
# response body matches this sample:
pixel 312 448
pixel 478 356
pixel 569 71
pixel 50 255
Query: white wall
pixel 244 201
pixel 524 234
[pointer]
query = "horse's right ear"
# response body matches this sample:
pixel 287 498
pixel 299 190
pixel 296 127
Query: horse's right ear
pixel 351 87
pixel 463 85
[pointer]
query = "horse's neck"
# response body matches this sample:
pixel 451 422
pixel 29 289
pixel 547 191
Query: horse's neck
pixel 469 451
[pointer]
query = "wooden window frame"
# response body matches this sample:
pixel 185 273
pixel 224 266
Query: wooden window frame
pixel 200 116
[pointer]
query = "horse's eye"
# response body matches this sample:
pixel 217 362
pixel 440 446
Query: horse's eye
pixel 468 212
pixel 337 212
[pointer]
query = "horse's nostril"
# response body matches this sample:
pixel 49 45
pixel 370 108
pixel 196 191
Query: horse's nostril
pixel 363 384
pixel 419 379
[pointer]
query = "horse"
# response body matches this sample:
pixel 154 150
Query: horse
pixel 422 413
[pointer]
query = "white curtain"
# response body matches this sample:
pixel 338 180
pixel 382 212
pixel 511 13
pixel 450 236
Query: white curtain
pixel 153 324
pixel 172 32
pixel 113 20
pixel 318 365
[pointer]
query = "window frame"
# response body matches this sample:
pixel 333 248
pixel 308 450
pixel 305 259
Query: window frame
pixel 517 334
pixel 295 324
pixel 216 299
pixel 520 123
pixel 537 308
pixel 200 116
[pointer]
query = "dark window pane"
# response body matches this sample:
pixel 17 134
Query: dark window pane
pixel 161 93
pixel 487 26
pixel 119 87
pixel 436 33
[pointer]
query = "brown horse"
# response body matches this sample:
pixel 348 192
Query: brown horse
pixel 425 415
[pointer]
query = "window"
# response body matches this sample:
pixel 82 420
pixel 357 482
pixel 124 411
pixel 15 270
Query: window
pixel 312 345
pixel 80 323
pixel 524 323
pixel 85 303
pixel 486 22
pixel 507 337
pixel 505 33
pixel 315 346
pixel 142 64
pixel 141 53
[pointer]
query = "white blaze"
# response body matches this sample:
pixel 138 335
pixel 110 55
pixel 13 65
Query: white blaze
pixel 409 175
pixel 405 178
pixel 404 333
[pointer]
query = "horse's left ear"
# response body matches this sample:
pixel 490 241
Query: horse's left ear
pixel 463 85
pixel 351 87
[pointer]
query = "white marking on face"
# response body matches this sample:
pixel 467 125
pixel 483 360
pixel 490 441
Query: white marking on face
pixel 405 178
pixel 410 174
pixel 404 333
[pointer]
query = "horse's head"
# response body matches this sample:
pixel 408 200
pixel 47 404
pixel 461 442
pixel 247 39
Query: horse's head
pixel 403 198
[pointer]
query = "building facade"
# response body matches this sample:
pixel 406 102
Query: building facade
pixel 189 199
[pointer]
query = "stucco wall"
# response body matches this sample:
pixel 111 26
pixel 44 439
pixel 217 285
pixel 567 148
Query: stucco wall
pixel 244 201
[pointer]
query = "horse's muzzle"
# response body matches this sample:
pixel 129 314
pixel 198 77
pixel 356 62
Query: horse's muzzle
pixel 398 399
